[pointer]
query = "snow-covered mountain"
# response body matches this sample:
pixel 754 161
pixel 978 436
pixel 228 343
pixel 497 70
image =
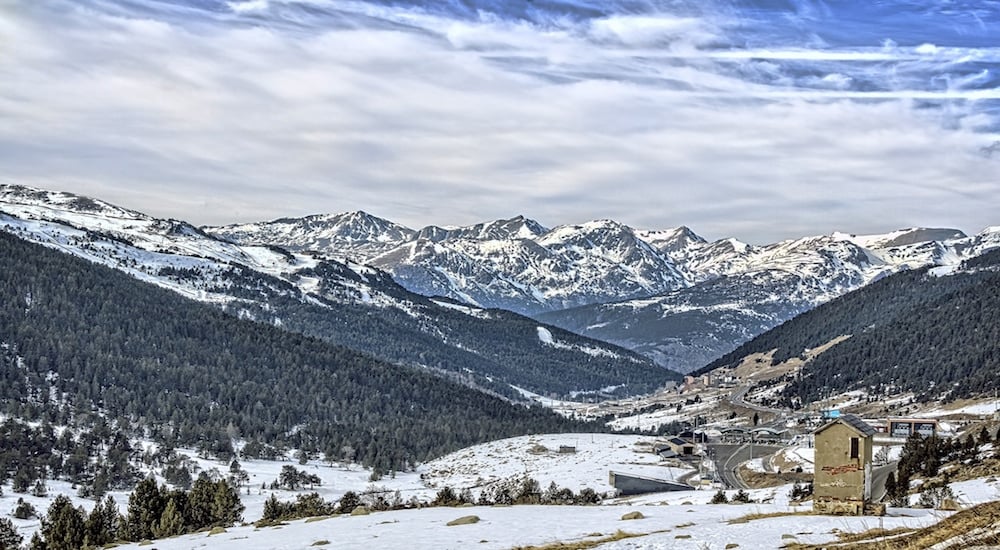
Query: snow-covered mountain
pixel 514 264
pixel 342 301
pixel 741 290
pixel 669 294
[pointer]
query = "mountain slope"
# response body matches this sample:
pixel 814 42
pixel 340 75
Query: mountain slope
pixel 752 290
pixel 80 338
pixel 741 290
pixel 669 295
pixel 342 302
pixel 935 335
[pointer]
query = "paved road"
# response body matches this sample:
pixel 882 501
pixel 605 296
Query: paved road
pixel 738 398
pixel 728 458
pixel 879 474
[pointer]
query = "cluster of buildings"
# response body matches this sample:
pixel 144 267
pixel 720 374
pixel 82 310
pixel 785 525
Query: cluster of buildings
pixel 844 474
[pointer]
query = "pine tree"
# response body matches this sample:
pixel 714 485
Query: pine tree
pixel 273 509
pixel 10 539
pixel 103 523
pixel 24 510
pixel 984 436
pixel 171 521
pixel 741 496
pixel 145 507
pixel 63 525
pixel 290 478
pixel 349 502
pixel 201 500
pixel 226 506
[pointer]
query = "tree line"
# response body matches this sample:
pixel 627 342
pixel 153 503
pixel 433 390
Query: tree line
pixel 81 340
pixel 938 336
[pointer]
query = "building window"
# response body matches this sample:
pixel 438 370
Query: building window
pixel 855 448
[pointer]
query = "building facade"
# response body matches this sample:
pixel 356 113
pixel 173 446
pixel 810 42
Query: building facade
pixel 843 467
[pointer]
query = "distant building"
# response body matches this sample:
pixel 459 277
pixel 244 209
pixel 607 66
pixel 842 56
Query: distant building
pixel 633 484
pixel 735 434
pixel 905 427
pixel 843 467
pixel 767 435
pixel 675 446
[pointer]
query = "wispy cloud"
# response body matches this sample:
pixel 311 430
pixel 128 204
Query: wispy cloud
pixel 234 111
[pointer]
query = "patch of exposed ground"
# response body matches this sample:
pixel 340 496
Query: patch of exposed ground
pixel 761 480
pixel 761 366
pixel 589 543
pixel 978 526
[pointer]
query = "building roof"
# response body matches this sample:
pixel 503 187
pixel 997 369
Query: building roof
pixel 679 441
pixel 852 421
pixel 767 430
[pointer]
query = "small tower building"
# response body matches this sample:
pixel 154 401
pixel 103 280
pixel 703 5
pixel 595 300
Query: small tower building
pixel 842 481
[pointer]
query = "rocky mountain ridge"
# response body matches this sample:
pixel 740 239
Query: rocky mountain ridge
pixel 668 294
pixel 350 304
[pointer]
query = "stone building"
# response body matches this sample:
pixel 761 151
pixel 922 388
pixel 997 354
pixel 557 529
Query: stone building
pixel 842 481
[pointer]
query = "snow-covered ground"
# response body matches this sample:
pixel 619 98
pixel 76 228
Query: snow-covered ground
pixel 676 520
pixel 671 520
pixel 588 465
pixel 983 408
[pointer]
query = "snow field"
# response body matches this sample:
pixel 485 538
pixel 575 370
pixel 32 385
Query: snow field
pixel 668 516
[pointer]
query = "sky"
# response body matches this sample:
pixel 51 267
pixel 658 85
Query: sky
pixel 757 119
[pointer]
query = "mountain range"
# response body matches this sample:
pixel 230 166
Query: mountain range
pixel 607 302
pixel 343 302
pixel 670 295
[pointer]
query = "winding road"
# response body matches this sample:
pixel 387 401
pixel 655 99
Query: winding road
pixel 728 458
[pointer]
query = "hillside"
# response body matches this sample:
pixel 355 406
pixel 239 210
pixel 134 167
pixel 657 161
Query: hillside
pixel 669 295
pixel 932 332
pixel 342 302
pixel 78 338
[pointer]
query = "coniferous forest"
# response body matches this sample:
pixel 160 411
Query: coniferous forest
pixel 77 339
pixel 935 335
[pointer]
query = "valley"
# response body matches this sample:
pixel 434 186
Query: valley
pixel 499 274
pixel 222 360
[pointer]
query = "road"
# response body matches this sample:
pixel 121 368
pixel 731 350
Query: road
pixel 728 458
pixel 879 475
pixel 738 399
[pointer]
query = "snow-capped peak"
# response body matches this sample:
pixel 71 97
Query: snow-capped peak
pixel 901 237
pixel 671 241
pixel 29 198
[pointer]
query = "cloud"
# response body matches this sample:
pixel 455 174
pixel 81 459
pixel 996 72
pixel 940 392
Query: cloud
pixel 269 109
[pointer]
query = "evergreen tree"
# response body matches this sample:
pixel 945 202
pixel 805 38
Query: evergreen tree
pixel 103 523
pixel 984 436
pixel 227 508
pixel 741 497
pixel 890 486
pixel 145 507
pixel 10 539
pixel 290 478
pixel 348 502
pixel 63 525
pixel 171 521
pixel 274 510
pixel 24 510
pixel 201 502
